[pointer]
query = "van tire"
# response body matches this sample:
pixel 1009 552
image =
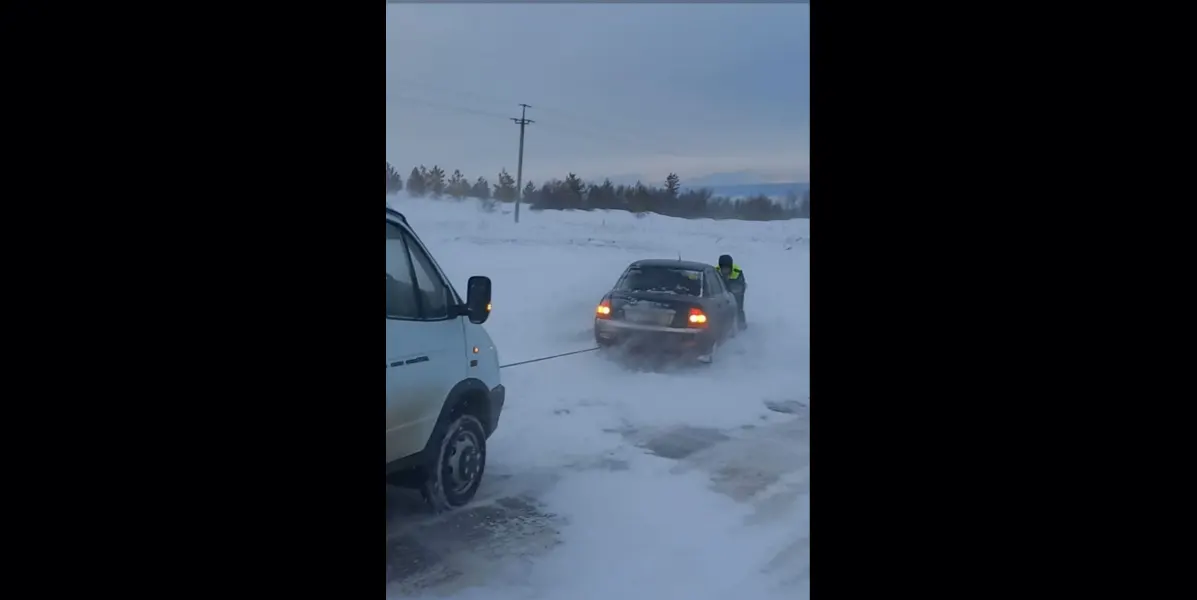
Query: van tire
pixel 455 471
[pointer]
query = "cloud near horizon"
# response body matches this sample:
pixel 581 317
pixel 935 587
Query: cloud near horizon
pixel 621 90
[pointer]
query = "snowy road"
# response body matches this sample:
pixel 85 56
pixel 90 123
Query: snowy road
pixel 605 482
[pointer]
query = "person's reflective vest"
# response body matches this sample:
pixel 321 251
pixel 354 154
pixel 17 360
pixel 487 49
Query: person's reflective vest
pixel 735 272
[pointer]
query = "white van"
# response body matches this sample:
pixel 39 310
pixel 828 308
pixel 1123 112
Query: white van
pixel 443 391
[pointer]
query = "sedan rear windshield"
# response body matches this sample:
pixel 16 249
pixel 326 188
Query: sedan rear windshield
pixel 662 280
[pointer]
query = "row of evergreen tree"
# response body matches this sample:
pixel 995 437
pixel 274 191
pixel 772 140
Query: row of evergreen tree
pixel 572 193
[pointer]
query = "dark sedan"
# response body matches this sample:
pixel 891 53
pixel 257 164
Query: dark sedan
pixel 667 307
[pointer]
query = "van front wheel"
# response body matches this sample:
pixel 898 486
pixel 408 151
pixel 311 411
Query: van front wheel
pixel 453 479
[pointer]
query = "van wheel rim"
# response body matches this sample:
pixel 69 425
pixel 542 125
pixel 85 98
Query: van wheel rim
pixel 463 461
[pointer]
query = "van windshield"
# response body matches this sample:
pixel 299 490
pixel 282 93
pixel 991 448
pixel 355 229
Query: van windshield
pixel 662 280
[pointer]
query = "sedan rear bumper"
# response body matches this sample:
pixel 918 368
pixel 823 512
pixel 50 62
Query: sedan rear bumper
pixel 649 337
pixel 617 327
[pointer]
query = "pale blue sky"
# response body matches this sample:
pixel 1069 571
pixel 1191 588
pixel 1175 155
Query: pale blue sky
pixel 616 89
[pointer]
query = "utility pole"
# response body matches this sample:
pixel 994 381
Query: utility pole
pixel 519 171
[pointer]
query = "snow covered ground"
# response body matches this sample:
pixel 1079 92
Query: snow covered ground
pixel 605 482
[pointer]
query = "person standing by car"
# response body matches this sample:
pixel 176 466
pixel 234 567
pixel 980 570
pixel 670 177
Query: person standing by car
pixel 736 283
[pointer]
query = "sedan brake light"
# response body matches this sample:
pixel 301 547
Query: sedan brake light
pixel 697 318
pixel 604 310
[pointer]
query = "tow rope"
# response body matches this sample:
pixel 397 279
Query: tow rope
pixel 536 360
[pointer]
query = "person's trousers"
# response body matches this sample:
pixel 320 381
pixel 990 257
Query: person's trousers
pixel 740 305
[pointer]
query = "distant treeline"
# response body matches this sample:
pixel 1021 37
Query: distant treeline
pixel 572 193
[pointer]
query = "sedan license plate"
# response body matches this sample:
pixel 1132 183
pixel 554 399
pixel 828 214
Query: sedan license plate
pixel 650 317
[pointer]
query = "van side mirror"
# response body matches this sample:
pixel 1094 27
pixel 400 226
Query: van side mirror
pixel 478 299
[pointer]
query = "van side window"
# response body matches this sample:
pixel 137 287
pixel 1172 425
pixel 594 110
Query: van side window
pixel 434 293
pixel 401 289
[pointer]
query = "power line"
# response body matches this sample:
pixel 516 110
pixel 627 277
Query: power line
pixel 597 128
pixel 594 136
pixel 584 132
pixel 608 127
pixel 448 107
pixel 523 121
pixel 602 128
pixel 424 85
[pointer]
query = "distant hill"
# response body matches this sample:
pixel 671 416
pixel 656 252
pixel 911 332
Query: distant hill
pixel 743 190
pixel 730 180
pixel 738 184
